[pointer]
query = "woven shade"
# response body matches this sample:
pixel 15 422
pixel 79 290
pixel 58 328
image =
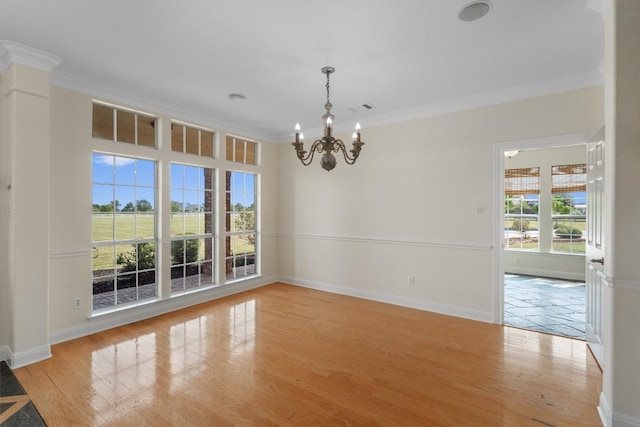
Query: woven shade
pixel 568 178
pixel 522 181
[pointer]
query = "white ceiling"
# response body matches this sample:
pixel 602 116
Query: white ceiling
pixel 407 58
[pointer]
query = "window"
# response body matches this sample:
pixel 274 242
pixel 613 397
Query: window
pixel 191 140
pixel 240 224
pixel 241 151
pixel 522 198
pixel 192 207
pixel 568 187
pixel 118 124
pixel 124 230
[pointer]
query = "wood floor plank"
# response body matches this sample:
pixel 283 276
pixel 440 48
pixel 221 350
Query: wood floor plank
pixel 284 355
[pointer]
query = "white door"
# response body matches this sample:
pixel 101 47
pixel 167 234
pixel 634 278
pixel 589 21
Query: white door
pixel 595 250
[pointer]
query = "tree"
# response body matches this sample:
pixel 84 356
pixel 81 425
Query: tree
pixel 128 207
pixel 176 206
pixel 143 205
pixel 246 221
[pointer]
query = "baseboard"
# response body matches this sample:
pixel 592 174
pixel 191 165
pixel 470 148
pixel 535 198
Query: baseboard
pixel 119 318
pixel 27 357
pixel 450 310
pixel 566 275
pixel 611 418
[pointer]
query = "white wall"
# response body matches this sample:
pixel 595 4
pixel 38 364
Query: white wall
pixel 409 205
pixel 543 262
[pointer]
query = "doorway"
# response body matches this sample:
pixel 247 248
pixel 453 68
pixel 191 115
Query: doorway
pixel 542 234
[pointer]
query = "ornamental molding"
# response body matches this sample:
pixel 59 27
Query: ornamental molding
pixel 16 53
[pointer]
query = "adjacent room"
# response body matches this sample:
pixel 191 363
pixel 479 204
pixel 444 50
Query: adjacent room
pixel 380 212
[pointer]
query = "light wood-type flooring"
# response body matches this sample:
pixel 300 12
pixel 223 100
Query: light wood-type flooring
pixel 284 355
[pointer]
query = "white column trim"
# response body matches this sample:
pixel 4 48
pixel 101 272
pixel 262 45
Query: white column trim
pixel 16 53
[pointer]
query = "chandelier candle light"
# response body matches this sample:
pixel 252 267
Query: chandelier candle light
pixel 328 144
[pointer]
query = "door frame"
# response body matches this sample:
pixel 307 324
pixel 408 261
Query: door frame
pixel 498 196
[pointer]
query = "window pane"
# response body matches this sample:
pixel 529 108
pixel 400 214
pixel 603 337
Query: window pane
pixel 206 143
pixel 177 176
pixel 177 137
pixel 251 153
pixel 177 224
pixel 102 168
pixel 125 226
pixel 145 173
pixel 102 226
pixel 192 141
pixel 191 177
pixel 102 122
pixel 145 225
pixel 146 131
pixel 126 126
pixel 229 151
pixel 125 171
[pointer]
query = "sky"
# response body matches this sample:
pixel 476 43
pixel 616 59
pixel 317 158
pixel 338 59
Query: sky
pixel 134 180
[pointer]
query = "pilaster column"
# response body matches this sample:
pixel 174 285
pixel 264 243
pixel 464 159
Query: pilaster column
pixel 25 141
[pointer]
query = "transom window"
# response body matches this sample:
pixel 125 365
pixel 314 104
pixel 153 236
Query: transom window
pixel 241 151
pixel 191 140
pixel 118 124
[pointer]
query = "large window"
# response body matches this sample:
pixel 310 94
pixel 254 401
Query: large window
pixel 155 210
pixel 240 222
pixel 569 185
pixel 192 207
pixel 521 206
pixel 124 230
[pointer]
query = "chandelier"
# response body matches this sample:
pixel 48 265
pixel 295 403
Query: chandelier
pixel 328 144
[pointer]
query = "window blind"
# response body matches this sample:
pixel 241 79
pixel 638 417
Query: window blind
pixel 568 178
pixel 522 181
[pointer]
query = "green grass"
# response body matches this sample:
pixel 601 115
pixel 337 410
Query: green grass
pixel 126 226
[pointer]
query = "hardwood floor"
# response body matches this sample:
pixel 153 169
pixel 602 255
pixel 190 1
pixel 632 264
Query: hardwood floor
pixel 284 355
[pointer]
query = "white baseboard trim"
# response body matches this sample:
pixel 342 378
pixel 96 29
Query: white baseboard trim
pixel 27 357
pixel 135 314
pixel 450 310
pixel 611 418
pixel 567 275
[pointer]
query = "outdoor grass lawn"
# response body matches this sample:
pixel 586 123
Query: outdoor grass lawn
pixel 126 226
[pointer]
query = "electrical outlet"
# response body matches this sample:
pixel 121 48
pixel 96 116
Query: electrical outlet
pixel 77 303
pixel 411 280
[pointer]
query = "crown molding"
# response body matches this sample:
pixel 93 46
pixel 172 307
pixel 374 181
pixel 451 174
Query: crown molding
pixel 16 53
pixel 511 94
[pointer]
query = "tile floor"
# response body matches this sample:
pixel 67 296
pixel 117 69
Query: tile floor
pixel 542 304
pixel 16 409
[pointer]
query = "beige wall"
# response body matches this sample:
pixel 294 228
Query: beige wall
pixel 409 206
